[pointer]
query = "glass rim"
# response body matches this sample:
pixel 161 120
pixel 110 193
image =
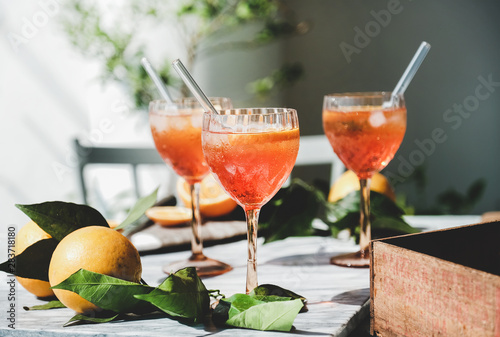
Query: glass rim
pixel 253 111
pixel 362 94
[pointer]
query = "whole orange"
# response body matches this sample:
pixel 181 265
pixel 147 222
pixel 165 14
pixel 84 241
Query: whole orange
pixel 98 249
pixel 29 234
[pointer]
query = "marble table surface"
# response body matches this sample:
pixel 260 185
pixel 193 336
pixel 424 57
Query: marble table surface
pixel 337 297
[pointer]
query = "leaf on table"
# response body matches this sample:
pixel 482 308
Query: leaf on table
pixel 33 262
pixel 139 209
pixel 291 212
pixel 59 218
pixel 56 304
pixel 267 307
pixel 220 314
pixel 182 294
pixel 108 293
pixel 249 312
pixel 102 317
pixel 271 292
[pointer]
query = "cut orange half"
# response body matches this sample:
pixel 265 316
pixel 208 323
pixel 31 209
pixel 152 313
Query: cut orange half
pixel 169 215
pixel 214 201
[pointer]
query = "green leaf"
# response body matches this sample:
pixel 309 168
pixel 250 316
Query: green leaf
pixel 295 207
pixel 33 262
pixel 102 318
pixel 182 294
pixel 277 315
pixel 108 293
pixel 59 218
pixel 386 215
pixel 271 292
pixel 49 305
pixel 241 302
pixel 267 307
pixel 138 209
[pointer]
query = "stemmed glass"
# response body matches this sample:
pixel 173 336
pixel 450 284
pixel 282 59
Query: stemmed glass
pixel 365 130
pixel 251 153
pixel 176 130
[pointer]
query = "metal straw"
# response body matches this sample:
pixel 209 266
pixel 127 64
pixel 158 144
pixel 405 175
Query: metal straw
pixel 156 79
pixel 193 86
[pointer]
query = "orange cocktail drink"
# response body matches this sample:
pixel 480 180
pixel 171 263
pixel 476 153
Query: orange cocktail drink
pixel 365 130
pixel 177 138
pixel 252 165
pixel 365 138
pixel 251 152
pixel 176 130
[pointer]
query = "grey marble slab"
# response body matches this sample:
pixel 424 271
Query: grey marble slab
pixel 337 296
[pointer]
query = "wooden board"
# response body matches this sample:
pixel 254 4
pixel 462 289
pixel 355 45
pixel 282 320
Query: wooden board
pixel 444 283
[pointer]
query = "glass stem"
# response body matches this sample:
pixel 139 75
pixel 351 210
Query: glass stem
pixel 252 216
pixel 365 230
pixel 196 240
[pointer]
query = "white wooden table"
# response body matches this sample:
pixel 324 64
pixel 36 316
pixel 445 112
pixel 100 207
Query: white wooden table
pixel 337 296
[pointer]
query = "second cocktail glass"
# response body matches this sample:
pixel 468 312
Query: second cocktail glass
pixel 176 130
pixel 365 130
pixel 251 153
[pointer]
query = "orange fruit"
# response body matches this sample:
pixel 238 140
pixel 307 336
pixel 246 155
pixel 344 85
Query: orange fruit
pixel 29 234
pixel 214 201
pixel 349 182
pixel 98 249
pixel 169 215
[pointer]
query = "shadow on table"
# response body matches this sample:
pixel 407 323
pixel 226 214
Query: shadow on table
pixel 352 297
pixel 319 258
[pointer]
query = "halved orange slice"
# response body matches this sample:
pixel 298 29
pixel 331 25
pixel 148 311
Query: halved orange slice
pixel 169 215
pixel 214 201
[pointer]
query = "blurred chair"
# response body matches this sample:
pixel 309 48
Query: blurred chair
pixel 134 156
pixel 316 150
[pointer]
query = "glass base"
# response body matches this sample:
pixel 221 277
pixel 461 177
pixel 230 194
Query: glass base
pixel 352 260
pixel 205 266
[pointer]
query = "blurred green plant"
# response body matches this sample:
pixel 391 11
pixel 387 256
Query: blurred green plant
pixel 114 35
pixel 450 201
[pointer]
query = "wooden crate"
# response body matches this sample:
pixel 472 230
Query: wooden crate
pixel 439 283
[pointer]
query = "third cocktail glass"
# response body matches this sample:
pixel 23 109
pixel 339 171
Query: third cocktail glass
pixel 365 131
pixel 251 152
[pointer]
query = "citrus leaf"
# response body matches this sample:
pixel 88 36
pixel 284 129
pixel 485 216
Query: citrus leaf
pixel 33 262
pixel 271 293
pixel 182 294
pixel 107 292
pixel 59 218
pixel 220 314
pixel 138 209
pixel 277 315
pixel 386 215
pixel 49 305
pixel 295 207
pixel 89 319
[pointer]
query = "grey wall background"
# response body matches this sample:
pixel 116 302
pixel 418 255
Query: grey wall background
pixel 465 47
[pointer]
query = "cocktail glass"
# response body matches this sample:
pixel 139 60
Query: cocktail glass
pixel 176 130
pixel 251 153
pixel 365 130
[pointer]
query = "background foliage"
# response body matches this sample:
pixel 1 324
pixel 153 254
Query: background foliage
pixel 116 35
